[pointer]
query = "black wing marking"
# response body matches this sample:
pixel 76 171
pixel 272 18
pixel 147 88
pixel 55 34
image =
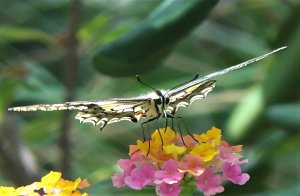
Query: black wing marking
pixel 99 112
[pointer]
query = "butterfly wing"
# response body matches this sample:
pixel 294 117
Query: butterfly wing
pixel 184 95
pixel 99 112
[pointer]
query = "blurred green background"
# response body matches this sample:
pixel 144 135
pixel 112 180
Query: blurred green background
pixel 52 51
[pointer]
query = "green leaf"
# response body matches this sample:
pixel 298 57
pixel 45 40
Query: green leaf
pixel 143 48
pixel 245 114
pixel 18 34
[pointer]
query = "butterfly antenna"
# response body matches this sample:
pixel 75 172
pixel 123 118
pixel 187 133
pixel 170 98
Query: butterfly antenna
pixel 196 76
pixel 140 81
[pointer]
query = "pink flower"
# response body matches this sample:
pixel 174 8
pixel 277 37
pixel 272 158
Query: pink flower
pixel 127 165
pixel 230 157
pixel 209 184
pixel 140 177
pixel 118 180
pixel 234 174
pixel 169 173
pixel 168 189
pixel 192 164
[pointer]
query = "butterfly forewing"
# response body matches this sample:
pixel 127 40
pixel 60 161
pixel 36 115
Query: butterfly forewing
pixel 98 112
pixel 184 95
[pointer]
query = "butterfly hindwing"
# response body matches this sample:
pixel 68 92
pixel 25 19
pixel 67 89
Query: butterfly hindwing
pixel 101 114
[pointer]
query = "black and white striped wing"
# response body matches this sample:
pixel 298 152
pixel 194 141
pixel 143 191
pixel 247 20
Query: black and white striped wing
pixel 184 95
pixel 98 112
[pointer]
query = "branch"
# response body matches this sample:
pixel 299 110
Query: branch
pixel 71 62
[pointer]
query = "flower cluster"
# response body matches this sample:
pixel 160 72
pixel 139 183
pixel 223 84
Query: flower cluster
pixel 51 184
pixel 168 161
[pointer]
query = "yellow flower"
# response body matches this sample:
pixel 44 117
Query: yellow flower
pixel 27 190
pixel 212 136
pixel 67 186
pixel 51 184
pixel 7 191
pixel 159 139
pixel 174 150
pixel 49 181
pixel 205 151
pixel 145 148
pixel 155 153
pixel 163 137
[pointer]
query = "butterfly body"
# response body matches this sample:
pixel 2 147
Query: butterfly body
pixel 157 104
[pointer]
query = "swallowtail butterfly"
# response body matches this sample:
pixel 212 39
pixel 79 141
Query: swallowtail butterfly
pixel 157 104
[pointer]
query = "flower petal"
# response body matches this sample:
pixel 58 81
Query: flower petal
pixel 140 177
pixel 192 164
pixel 169 173
pixel 118 180
pixel 209 183
pixel 234 174
pixel 168 189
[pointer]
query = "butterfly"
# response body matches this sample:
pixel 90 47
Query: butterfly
pixel 155 105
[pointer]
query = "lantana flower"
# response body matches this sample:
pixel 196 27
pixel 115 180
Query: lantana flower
pixel 169 161
pixel 51 184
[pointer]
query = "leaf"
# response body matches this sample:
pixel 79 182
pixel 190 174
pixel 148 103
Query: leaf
pixel 245 115
pixel 143 48
pixel 17 34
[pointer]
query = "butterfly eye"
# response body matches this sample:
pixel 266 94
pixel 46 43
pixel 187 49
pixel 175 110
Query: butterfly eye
pixel 167 100
pixel 157 101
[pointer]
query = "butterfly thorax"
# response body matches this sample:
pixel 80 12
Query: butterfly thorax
pixel 159 103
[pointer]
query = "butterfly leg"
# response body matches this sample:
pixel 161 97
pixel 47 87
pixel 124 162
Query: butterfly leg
pixel 180 132
pixel 161 139
pixel 149 137
pixel 143 132
pixel 181 135
pixel 149 120
pixel 173 123
pixel 134 152
pixel 166 117
pixel 187 130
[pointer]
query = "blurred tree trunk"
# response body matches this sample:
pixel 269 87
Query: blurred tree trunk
pixel 70 74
